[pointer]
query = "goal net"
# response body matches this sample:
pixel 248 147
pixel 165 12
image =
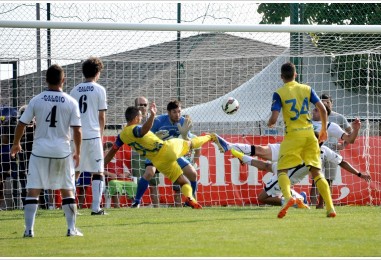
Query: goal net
pixel 223 55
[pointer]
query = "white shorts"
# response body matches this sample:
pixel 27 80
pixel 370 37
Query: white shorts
pixel 47 173
pixel 295 174
pixel 275 148
pixel 91 157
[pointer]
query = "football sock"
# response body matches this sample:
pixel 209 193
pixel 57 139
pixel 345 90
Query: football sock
pixel 142 187
pixel 198 141
pixel 194 188
pixel 70 209
pixel 186 189
pixel 97 188
pixel 244 148
pixel 323 187
pixel 30 210
pixel 284 184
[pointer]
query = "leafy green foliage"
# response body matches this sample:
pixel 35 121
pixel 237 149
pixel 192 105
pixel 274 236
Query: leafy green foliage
pixel 353 70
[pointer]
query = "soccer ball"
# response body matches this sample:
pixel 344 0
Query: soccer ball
pixel 230 106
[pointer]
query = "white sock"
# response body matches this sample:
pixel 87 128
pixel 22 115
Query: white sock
pixel 70 214
pixel 97 188
pixel 244 148
pixel 246 159
pixel 30 213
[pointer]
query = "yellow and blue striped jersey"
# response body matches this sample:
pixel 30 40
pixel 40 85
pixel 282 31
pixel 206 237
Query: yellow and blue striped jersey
pixel 147 145
pixel 294 99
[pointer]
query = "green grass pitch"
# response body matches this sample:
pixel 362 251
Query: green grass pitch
pixel 211 232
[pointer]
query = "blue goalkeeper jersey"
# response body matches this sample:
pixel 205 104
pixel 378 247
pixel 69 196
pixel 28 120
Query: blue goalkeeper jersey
pixel 163 123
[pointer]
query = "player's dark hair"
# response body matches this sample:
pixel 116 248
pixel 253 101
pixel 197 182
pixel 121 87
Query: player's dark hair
pixel 288 71
pixel 326 96
pixel 91 67
pixel 173 105
pixel 131 113
pixel 54 75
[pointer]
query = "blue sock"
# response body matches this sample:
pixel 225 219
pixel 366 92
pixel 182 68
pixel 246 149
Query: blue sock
pixel 142 187
pixel 194 188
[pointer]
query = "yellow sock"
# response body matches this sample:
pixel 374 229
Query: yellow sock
pixel 186 189
pixel 323 187
pixel 198 141
pixel 284 184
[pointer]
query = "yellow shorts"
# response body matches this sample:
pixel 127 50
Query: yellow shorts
pixel 166 159
pixel 294 150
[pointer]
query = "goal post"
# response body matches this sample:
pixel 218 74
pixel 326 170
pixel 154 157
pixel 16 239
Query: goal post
pixel 200 69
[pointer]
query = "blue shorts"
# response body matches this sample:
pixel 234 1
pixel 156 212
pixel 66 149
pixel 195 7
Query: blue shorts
pixel 84 179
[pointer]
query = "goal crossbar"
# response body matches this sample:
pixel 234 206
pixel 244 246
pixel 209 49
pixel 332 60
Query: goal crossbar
pixel 193 27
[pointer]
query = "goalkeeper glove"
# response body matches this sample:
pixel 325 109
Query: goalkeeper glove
pixel 184 129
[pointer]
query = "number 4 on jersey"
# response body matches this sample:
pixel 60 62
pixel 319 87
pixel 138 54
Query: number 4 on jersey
pixel 52 117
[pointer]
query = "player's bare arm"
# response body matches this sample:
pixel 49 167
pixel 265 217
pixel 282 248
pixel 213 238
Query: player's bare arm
pixel 323 135
pixel 148 124
pixel 102 121
pixel 111 153
pixel 273 118
pixel 351 137
pixel 347 166
pixel 77 138
pixel 19 132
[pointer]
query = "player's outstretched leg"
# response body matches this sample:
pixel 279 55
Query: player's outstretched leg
pixel 221 143
pixel 244 159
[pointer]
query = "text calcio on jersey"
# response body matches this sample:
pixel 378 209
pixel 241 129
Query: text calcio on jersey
pixel 85 88
pixel 52 98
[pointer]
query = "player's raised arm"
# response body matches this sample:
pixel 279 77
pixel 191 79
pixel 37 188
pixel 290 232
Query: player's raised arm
pixel 324 119
pixel 149 123
pixel 351 137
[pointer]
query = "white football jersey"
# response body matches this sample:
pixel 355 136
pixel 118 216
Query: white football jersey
pixel 91 98
pixel 55 112
pixel 296 174
pixel 333 129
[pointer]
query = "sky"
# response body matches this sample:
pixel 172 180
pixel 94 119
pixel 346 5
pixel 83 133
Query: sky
pixel 21 44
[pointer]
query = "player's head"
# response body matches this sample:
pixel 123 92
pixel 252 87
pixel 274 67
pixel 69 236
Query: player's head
pixel 92 67
pixel 316 113
pixel 288 72
pixel 174 110
pixel 328 108
pixel 55 76
pixel 326 99
pixel 142 103
pixel 133 115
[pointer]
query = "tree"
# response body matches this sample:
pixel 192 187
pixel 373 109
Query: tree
pixel 360 67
